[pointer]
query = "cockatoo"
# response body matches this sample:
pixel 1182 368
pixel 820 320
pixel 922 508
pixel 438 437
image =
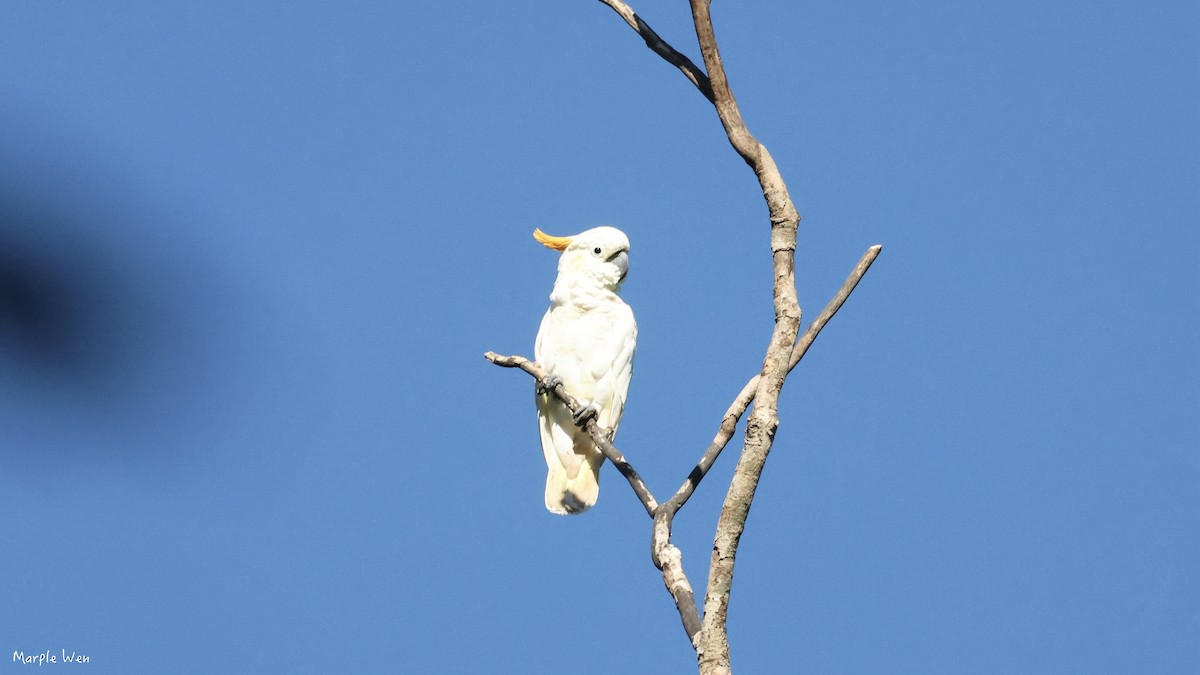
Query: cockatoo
pixel 587 340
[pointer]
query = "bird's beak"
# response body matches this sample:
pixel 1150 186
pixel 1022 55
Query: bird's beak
pixel 549 241
pixel 621 260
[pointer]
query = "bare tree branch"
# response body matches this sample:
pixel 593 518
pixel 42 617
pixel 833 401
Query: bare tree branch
pixel 764 420
pixel 598 433
pixel 669 560
pixel 839 299
pixel 659 46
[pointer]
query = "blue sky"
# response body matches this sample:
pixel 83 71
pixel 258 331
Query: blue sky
pixel 252 256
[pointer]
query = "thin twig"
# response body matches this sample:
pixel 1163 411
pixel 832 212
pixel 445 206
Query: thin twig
pixel 659 46
pixel 839 299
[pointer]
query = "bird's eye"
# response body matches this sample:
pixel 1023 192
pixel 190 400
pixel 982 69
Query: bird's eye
pixel 596 250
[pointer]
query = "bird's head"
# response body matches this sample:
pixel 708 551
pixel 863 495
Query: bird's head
pixel 601 253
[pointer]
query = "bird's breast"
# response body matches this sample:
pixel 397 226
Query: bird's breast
pixel 573 339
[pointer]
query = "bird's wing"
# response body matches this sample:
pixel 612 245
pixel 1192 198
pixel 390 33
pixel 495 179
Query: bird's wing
pixel 613 369
pixel 572 462
pixel 553 349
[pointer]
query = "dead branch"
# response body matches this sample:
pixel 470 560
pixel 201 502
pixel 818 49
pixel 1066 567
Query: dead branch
pixel 659 46
pixel 764 420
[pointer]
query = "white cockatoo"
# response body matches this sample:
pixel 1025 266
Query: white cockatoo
pixel 586 340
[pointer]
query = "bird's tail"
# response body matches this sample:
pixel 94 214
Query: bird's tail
pixel 572 460
pixel 568 495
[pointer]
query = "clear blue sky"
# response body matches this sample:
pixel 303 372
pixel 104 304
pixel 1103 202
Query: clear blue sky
pixel 253 252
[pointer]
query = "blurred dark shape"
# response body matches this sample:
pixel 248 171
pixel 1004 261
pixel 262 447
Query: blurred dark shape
pixel 105 314
pixel 68 304
pixel 42 306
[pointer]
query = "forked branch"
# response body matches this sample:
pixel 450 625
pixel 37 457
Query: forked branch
pixel 746 396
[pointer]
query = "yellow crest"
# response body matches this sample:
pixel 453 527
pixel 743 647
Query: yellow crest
pixel 556 243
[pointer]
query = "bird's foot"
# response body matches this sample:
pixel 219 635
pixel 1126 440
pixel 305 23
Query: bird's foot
pixel 547 385
pixel 587 412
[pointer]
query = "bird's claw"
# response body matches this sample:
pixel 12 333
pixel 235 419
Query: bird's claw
pixel 547 385
pixel 587 412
